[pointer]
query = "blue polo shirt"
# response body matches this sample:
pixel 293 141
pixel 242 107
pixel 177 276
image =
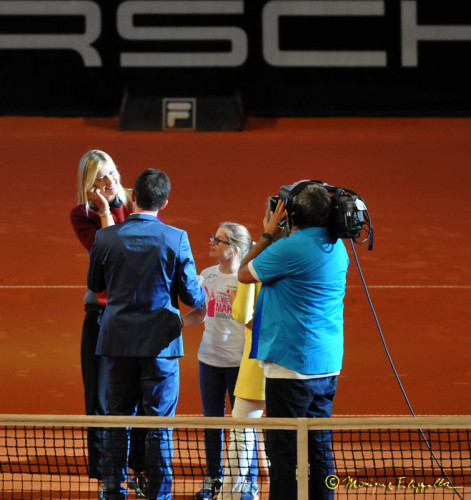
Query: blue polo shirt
pixel 299 312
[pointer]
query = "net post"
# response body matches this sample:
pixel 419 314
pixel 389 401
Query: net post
pixel 302 458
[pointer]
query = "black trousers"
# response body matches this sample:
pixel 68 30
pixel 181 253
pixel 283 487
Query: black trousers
pixel 94 384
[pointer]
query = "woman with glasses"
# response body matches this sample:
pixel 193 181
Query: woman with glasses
pixel 222 344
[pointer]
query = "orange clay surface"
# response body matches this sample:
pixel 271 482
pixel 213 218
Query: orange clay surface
pixel 414 174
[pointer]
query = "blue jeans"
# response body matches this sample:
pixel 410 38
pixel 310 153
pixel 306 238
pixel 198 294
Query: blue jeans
pixel 296 398
pixel 156 381
pixel 214 383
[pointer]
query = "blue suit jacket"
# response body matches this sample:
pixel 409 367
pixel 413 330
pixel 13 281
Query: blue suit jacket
pixel 146 266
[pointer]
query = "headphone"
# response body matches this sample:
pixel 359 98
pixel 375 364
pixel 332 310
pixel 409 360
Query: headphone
pixel 293 209
pixel 349 216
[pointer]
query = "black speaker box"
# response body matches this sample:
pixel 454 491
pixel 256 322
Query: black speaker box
pixel 201 114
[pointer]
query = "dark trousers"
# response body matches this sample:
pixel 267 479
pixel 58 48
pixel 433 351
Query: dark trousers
pixel 94 385
pixel 215 383
pixel 296 398
pixel 156 381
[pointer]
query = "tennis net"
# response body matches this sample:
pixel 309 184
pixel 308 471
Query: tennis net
pixel 45 456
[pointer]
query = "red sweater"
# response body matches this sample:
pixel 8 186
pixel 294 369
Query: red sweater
pixel 85 227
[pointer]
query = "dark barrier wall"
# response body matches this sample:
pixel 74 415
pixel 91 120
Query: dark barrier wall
pixel 283 57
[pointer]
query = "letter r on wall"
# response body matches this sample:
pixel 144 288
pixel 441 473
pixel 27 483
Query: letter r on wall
pixel 80 43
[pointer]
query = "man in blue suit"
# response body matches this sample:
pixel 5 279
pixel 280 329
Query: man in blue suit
pixel 146 266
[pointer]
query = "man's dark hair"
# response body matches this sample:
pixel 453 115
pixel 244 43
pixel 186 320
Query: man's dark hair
pixel 313 206
pixel 151 188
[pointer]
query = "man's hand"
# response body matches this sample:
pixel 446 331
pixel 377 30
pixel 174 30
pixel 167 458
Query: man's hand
pixel 272 228
pixel 278 215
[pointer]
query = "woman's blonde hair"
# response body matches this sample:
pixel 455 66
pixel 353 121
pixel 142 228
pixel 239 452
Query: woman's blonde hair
pixel 238 236
pixel 88 168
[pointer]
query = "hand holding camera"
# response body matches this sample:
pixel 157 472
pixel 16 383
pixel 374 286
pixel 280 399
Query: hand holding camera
pixel 277 216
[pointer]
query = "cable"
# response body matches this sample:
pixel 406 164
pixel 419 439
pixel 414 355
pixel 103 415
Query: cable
pixel 395 372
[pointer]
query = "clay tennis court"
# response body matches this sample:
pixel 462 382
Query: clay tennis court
pixel 413 174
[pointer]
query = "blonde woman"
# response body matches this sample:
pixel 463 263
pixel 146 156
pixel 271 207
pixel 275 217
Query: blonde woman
pixel 102 202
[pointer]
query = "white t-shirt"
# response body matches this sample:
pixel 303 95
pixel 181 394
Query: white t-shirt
pixel 273 370
pixel 223 336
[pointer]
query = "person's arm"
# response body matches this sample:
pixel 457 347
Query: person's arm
pixel 243 301
pixel 245 274
pixel 189 290
pixel 96 276
pixel 194 317
pixel 95 196
pixel 86 225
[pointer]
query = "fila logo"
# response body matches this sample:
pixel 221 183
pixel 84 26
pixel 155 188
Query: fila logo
pixel 179 114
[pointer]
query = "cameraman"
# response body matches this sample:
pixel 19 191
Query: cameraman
pixel 298 330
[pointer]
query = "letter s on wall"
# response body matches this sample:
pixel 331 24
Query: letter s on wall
pixel 238 38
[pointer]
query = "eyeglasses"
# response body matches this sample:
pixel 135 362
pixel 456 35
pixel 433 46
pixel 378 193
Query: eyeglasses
pixel 217 240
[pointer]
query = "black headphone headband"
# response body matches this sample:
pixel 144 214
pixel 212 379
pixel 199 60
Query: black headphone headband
pixel 349 215
pixel 295 190
pixel 292 207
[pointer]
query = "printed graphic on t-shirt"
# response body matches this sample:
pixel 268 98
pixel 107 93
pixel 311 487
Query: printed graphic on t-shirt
pixel 211 302
pixel 218 305
pixel 223 337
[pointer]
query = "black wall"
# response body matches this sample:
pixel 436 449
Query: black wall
pixel 283 58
